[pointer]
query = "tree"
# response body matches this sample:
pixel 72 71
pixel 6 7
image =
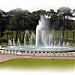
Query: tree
pixel 7 32
pixel 53 19
pixel 73 23
pixel 18 20
pixel 62 13
pixel 2 22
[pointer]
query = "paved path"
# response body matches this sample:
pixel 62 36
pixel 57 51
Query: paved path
pixel 5 57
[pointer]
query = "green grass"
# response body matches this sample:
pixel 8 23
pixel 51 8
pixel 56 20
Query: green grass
pixel 39 63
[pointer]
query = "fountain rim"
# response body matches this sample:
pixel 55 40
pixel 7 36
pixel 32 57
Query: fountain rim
pixel 37 50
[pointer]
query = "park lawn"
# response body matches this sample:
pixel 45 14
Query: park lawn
pixel 32 63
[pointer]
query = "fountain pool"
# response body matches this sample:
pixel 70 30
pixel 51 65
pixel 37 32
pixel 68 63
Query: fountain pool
pixel 40 48
pixel 42 41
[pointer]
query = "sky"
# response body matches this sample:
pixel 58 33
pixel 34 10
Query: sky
pixel 33 5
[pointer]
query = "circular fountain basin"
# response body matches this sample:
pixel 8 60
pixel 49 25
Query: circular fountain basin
pixel 40 48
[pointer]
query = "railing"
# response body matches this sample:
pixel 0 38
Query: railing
pixel 37 53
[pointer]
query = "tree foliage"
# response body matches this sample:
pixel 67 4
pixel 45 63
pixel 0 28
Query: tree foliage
pixel 20 20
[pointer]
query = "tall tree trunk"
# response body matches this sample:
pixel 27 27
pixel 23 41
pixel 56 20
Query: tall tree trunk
pixel 67 35
pixel 0 33
pixel 12 34
pixel 62 35
pixel 16 34
pixel 73 35
pixel 67 30
pixel 0 36
pixel 7 38
pixel 17 30
pixel 62 31
pixel 23 36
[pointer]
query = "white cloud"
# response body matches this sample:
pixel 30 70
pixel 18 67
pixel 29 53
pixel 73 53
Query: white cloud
pixel 35 4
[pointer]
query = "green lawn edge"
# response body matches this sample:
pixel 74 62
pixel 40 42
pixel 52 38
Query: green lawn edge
pixel 32 63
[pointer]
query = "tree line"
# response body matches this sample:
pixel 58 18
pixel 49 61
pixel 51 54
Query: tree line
pixel 20 20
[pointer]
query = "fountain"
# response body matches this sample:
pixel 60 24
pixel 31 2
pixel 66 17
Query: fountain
pixel 18 42
pixel 26 37
pixel 32 39
pixel 14 42
pixel 43 35
pixel 9 42
pixel 24 41
pixel 42 41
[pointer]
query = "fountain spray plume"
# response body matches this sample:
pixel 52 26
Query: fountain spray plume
pixel 24 42
pixel 9 42
pixel 32 38
pixel 14 42
pixel 43 37
pixel 26 37
pixel 18 43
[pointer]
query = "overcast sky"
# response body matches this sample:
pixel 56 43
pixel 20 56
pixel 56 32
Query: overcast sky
pixel 32 5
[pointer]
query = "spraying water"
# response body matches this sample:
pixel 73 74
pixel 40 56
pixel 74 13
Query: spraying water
pixel 26 37
pixel 43 34
pixel 14 42
pixel 9 42
pixel 32 38
pixel 44 39
pixel 18 42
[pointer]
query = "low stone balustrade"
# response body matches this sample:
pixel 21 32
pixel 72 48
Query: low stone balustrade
pixel 37 53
